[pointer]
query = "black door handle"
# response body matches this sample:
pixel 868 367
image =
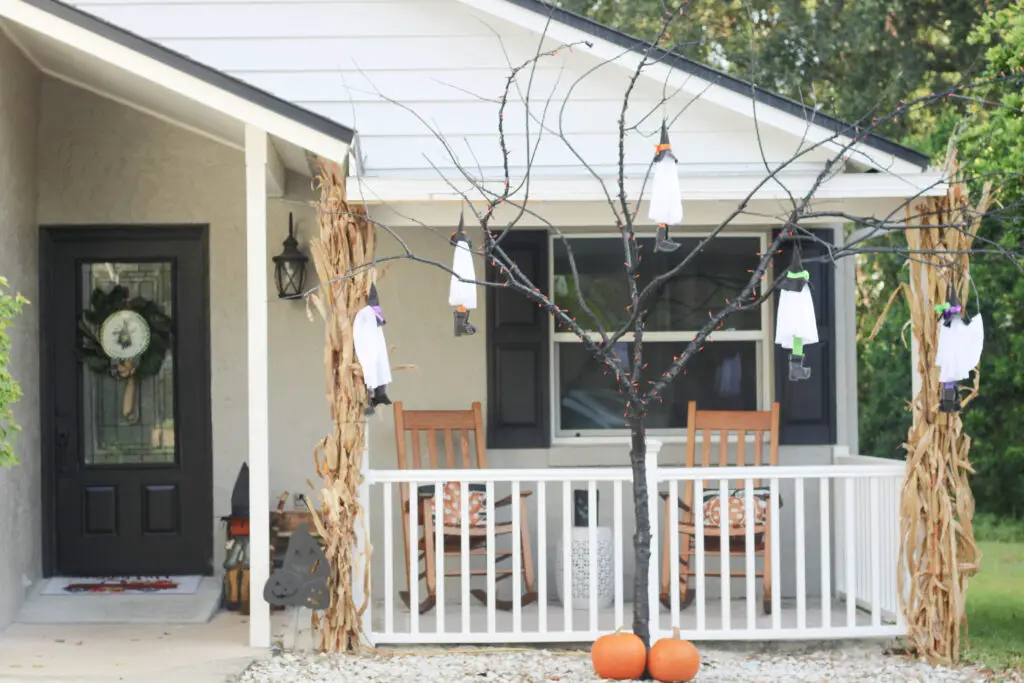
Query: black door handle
pixel 62 450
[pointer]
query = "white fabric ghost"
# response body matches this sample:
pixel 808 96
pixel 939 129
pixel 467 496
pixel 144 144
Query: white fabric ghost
pixel 462 293
pixel 371 349
pixel 959 349
pixel 666 206
pixel 796 318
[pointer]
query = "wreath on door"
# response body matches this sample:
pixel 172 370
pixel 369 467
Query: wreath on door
pixel 123 337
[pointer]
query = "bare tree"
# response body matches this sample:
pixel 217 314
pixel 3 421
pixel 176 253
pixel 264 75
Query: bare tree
pixel 640 386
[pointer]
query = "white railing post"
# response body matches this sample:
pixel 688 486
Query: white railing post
pixel 651 471
pixel 619 553
pixel 257 372
pixel 361 582
pixel 389 557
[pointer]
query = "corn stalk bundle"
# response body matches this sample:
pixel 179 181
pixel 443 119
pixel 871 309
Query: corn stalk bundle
pixel 937 545
pixel 345 242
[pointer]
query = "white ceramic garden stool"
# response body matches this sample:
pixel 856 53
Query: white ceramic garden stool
pixel 579 556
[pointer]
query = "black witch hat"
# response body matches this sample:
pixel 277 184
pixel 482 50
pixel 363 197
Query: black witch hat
pixel 664 146
pixel 796 276
pixel 954 307
pixel 240 494
pixel 373 301
pixel 460 234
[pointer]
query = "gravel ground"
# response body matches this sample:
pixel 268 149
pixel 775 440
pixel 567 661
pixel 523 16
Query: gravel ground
pixel 771 663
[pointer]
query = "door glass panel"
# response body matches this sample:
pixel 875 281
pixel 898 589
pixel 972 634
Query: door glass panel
pixel 128 363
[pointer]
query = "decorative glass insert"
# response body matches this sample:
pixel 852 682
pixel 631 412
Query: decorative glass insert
pixel 128 402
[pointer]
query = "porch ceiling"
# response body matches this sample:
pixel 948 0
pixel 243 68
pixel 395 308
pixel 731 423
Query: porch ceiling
pixel 85 52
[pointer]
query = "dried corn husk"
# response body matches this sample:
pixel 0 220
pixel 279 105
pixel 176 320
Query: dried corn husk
pixel 345 242
pixel 937 540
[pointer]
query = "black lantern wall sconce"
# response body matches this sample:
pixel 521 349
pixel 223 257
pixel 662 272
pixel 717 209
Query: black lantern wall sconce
pixel 290 266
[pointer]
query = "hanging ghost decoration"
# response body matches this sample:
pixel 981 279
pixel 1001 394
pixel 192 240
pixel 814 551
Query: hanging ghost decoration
pixel 462 290
pixel 961 339
pixel 666 199
pixel 372 351
pixel 795 324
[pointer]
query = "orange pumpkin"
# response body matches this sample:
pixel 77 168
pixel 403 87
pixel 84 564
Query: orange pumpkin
pixel 619 656
pixel 673 660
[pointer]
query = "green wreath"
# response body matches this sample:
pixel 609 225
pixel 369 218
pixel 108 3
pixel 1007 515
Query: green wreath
pixel 101 306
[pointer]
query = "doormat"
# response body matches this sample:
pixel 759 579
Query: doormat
pixel 122 585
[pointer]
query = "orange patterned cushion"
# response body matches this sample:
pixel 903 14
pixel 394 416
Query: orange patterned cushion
pixel 452 504
pixel 737 507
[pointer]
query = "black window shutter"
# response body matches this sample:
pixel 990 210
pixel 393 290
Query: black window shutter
pixel 518 387
pixel 808 408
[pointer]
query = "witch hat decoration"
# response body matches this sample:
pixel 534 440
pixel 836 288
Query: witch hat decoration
pixel 372 350
pixel 953 308
pixel 373 301
pixel 666 199
pixel 240 494
pixel 961 340
pixel 462 290
pixel 796 324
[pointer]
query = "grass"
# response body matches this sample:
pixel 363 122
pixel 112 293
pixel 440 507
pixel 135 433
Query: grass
pixel 995 598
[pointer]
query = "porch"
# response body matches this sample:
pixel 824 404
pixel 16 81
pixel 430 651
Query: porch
pixel 831 564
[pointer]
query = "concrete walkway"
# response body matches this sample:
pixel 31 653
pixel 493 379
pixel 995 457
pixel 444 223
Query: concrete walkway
pixel 213 652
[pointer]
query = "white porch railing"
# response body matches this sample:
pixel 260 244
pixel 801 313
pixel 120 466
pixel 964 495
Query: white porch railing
pixel 832 530
pixel 881 496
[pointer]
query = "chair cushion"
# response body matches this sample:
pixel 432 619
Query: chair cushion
pixel 452 504
pixel 737 507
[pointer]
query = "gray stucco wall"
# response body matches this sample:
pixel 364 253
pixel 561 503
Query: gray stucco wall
pixel 20 533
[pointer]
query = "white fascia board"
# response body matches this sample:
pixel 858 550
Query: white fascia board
pixel 276 173
pixel 188 86
pixel 676 80
pixel 721 188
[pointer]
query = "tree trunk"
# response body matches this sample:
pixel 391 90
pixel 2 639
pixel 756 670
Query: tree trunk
pixel 642 537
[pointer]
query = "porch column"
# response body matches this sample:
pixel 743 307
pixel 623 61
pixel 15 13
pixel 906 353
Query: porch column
pixel 259 444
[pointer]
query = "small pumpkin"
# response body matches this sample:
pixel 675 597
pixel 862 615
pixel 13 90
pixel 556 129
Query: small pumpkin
pixel 672 660
pixel 619 656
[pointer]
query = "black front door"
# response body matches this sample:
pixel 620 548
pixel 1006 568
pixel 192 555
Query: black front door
pixel 126 365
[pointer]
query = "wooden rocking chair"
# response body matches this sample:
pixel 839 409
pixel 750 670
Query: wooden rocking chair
pixel 466 423
pixel 722 421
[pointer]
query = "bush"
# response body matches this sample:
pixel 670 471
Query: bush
pixel 988 527
pixel 10 390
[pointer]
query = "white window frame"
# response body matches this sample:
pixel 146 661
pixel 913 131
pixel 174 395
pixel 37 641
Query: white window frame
pixel 763 338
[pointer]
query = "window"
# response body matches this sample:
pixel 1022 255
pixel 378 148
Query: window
pixel 731 373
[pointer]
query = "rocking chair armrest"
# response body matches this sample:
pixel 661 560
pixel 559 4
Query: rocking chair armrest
pixel 428 499
pixel 682 506
pixel 507 500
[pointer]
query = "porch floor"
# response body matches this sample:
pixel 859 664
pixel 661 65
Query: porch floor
pixel 556 622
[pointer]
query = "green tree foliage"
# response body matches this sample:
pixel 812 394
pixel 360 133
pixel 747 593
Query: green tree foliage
pixel 10 390
pixel 851 59
pixel 990 139
pixel 993 140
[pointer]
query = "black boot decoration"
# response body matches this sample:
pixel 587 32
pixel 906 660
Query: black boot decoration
pixel 380 397
pixel 463 327
pixel 662 242
pixel 797 370
pixel 949 398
